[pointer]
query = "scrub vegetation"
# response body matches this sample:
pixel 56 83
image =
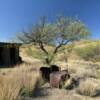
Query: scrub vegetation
pixel 63 43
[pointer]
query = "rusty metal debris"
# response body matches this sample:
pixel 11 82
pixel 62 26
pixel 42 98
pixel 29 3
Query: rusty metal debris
pixel 58 78
pixel 54 75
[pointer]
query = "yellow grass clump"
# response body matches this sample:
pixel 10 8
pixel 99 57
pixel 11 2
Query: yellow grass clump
pixel 21 81
pixel 89 87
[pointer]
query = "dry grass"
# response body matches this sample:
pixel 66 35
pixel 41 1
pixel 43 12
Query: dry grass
pixel 20 81
pixel 9 88
pixel 89 87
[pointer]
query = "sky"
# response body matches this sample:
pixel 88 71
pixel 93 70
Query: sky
pixel 18 15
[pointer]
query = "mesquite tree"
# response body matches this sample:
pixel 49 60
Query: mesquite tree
pixel 59 33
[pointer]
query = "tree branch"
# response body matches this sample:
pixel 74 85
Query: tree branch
pixel 42 47
pixel 60 45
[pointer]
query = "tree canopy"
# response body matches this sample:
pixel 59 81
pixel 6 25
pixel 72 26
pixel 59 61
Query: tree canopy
pixel 61 32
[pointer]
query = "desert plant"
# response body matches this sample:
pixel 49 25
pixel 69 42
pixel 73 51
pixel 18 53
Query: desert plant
pixel 63 31
pixel 89 87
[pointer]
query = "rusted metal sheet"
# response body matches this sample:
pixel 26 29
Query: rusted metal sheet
pixel 45 71
pixel 58 78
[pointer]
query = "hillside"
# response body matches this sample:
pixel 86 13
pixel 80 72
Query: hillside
pixel 87 73
pixel 26 82
pixel 68 52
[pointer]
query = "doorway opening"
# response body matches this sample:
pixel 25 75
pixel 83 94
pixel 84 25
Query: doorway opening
pixel 12 55
pixel 1 57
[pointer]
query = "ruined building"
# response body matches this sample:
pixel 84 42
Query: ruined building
pixel 9 53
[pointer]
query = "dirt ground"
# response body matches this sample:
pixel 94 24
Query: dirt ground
pixel 48 93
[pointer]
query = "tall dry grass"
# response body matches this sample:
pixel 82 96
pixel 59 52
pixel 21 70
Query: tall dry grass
pixel 20 81
pixel 89 87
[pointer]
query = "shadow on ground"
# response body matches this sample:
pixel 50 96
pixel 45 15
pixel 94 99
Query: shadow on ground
pixel 41 91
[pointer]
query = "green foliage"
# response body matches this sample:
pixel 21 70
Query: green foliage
pixel 71 29
pixel 90 52
pixel 61 32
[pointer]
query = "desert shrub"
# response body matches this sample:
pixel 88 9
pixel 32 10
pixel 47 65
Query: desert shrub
pixel 89 52
pixel 89 87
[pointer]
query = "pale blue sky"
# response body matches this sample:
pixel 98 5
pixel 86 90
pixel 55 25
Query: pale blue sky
pixel 16 15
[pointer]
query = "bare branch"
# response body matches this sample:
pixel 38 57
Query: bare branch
pixel 43 48
pixel 63 31
pixel 60 45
